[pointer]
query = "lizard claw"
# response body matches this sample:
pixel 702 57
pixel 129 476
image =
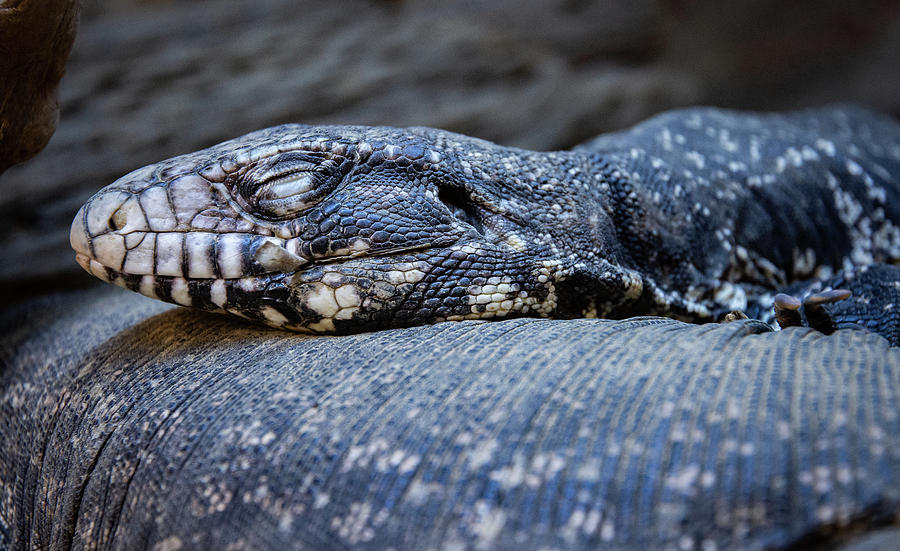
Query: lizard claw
pixel 790 312
pixel 734 315
pixel 817 317
pixel 787 311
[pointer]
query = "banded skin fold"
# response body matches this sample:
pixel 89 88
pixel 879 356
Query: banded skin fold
pixel 692 214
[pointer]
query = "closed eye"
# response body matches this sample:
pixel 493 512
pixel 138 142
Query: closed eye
pixel 286 185
pixel 288 195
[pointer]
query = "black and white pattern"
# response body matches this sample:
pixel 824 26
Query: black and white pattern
pixel 692 214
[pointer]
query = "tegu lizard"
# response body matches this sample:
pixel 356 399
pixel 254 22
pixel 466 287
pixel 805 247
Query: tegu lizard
pixel 693 214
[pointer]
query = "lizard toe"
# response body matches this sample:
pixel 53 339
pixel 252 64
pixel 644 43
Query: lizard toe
pixel 816 315
pixel 787 311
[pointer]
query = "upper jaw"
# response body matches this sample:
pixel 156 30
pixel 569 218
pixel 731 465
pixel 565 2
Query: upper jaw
pixel 148 233
pixel 139 244
pixel 188 228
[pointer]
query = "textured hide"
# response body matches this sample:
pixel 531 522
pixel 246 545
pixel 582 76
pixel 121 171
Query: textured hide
pixel 128 424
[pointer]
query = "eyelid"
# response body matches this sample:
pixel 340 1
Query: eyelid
pixel 281 167
pixel 285 186
pixel 288 185
pixel 289 196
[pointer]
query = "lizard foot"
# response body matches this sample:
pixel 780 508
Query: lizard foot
pixel 867 298
pixel 790 311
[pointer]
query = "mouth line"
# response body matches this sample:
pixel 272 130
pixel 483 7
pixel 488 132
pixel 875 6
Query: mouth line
pixel 378 254
pixel 102 271
pixel 108 273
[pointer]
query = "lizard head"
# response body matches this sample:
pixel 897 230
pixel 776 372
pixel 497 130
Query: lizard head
pixel 325 229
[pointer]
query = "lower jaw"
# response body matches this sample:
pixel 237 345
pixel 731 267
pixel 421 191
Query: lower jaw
pixel 262 299
pixel 251 298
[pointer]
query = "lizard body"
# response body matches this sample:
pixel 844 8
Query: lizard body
pixel 691 214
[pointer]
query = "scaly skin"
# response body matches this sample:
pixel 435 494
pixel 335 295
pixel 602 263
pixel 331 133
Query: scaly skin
pixel 691 215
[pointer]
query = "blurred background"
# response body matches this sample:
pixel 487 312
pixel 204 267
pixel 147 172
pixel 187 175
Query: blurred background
pixel 149 79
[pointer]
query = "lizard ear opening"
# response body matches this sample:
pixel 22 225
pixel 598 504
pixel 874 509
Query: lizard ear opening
pixel 461 207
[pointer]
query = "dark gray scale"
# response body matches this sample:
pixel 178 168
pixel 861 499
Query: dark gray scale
pixel 788 197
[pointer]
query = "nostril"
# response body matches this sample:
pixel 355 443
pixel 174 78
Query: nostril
pixel 121 213
pixel 118 220
pixel 461 207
